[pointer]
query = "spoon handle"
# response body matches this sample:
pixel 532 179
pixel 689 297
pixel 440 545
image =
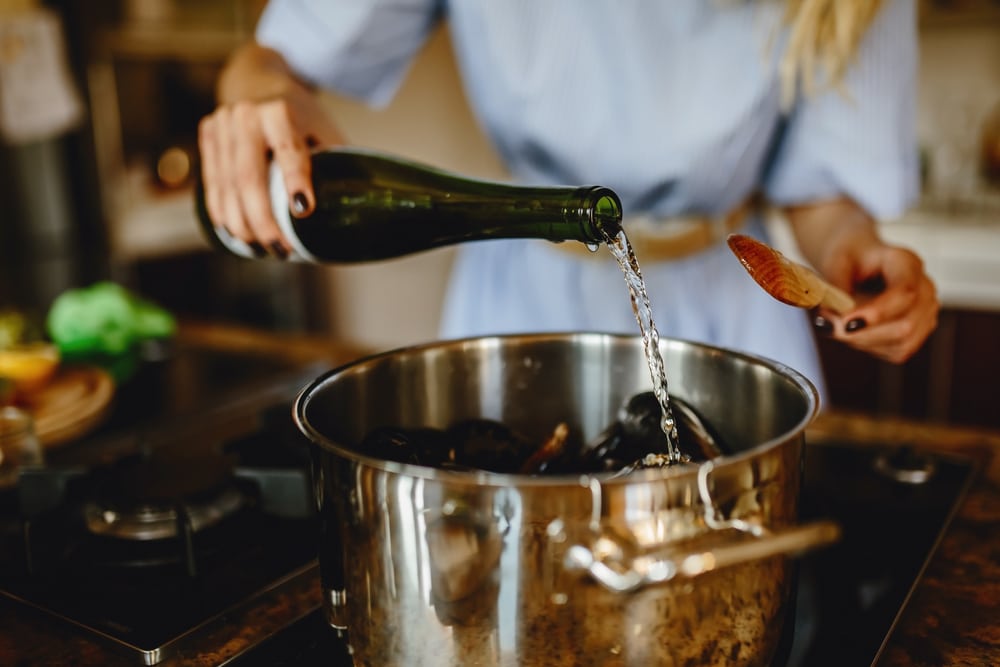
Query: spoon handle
pixel 837 300
pixel 832 297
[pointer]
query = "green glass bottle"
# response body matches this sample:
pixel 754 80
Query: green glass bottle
pixel 372 206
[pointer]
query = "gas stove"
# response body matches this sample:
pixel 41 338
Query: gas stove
pixel 186 515
pixel 186 531
pixel 157 552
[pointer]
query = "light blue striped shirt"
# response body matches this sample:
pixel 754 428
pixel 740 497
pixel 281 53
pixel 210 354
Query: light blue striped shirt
pixel 675 105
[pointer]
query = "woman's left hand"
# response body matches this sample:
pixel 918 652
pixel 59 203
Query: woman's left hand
pixel 891 321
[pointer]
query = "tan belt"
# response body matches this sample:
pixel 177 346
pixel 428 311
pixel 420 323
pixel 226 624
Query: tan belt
pixel 655 239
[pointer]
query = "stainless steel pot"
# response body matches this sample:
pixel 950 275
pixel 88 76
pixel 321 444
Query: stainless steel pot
pixel 686 565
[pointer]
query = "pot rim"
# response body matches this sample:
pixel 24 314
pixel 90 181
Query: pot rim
pixel 487 478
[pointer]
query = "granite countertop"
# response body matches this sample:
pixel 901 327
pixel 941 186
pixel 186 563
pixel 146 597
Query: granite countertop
pixel 951 619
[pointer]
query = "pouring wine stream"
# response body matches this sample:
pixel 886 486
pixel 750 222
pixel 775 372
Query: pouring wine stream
pixel 622 251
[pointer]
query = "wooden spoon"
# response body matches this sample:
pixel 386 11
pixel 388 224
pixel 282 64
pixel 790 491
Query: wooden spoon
pixel 785 280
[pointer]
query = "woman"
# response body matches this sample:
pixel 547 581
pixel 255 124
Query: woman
pixel 690 110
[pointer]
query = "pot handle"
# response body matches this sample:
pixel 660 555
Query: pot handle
pixel 649 570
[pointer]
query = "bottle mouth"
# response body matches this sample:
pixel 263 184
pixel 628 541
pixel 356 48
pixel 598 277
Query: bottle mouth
pixel 605 213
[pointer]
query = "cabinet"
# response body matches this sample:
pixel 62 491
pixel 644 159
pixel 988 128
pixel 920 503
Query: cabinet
pixel 958 12
pixel 151 74
pixel 952 379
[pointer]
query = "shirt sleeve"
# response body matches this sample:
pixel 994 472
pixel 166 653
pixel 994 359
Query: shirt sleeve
pixel 861 143
pixel 361 48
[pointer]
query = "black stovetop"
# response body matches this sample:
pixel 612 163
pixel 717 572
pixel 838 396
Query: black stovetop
pixel 893 505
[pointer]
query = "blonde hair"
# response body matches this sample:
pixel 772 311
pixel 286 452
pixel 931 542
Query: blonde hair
pixel 823 39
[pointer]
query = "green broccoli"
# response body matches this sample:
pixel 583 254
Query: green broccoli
pixel 105 318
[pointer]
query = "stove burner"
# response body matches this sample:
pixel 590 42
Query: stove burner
pixel 906 466
pixel 164 493
pixel 149 521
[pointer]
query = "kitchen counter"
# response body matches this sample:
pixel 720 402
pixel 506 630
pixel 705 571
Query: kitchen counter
pixel 960 250
pixel 951 619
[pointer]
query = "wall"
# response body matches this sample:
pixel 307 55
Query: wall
pixel 959 87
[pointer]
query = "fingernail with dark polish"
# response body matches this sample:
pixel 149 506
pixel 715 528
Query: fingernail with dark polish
pixel 299 203
pixel 278 250
pixel 257 248
pixel 823 325
pixel 855 325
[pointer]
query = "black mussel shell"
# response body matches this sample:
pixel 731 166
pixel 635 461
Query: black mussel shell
pixel 696 437
pixel 490 445
pixel 640 418
pixel 615 448
pixel 420 446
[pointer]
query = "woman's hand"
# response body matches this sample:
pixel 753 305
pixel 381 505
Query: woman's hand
pixel 265 114
pixel 897 306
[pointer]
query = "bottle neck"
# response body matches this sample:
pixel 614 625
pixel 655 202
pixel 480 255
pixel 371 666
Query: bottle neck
pixel 600 214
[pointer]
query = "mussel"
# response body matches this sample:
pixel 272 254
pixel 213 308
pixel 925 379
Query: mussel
pixel 634 440
pixel 637 440
pixel 487 444
pixel 420 446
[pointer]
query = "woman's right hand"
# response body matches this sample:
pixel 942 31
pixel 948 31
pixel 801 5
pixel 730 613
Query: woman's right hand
pixel 265 114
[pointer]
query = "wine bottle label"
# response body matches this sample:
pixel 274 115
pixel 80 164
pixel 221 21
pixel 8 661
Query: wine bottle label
pixel 283 216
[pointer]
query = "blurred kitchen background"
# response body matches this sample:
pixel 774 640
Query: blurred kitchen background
pixel 99 104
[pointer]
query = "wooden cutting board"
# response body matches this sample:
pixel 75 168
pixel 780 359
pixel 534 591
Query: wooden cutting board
pixel 74 402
